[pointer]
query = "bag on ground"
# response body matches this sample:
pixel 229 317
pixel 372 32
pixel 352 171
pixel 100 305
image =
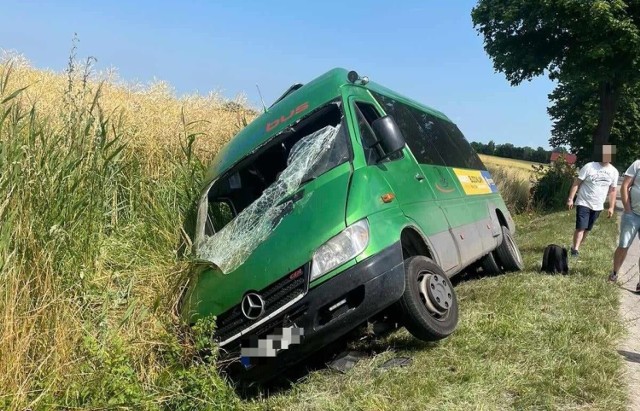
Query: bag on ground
pixel 555 260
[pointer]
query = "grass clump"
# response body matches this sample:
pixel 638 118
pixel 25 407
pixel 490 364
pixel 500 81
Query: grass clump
pixel 552 184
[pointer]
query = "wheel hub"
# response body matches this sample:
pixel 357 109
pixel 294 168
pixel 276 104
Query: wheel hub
pixel 436 292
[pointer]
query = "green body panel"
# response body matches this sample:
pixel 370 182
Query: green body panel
pixel 416 197
pixel 317 217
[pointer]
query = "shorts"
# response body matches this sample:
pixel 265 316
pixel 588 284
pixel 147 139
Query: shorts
pixel 629 226
pixel 585 217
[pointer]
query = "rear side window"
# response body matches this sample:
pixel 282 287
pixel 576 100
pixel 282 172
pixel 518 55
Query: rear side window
pixel 464 155
pixel 431 139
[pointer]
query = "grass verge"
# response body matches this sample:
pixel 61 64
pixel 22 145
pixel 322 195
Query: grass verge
pixel 525 341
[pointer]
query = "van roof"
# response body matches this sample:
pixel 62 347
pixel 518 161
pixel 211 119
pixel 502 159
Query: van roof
pixel 317 92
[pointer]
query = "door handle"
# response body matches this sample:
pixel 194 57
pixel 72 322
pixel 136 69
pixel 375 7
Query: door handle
pixel 419 177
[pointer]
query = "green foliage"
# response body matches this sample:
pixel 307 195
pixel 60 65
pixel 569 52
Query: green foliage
pixel 552 184
pixel 574 108
pixel 196 385
pixel 110 378
pixel 595 42
pixel 508 150
pixel 596 38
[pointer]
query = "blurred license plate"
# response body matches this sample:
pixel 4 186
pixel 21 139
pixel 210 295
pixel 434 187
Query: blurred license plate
pixel 270 345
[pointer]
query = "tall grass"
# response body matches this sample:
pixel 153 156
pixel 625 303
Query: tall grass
pixel 514 186
pixel 96 179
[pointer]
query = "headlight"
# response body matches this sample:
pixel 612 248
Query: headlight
pixel 340 249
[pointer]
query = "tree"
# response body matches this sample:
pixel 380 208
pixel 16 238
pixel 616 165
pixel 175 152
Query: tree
pixel 597 41
pixel 541 155
pixel 574 110
pixel 478 147
pixel 491 148
pixel 508 150
pixel 505 150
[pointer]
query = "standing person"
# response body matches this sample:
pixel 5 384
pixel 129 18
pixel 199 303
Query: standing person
pixel 630 223
pixel 595 180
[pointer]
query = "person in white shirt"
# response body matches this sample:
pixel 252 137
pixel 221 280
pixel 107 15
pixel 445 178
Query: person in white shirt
pixel 596 180
pixel 630 222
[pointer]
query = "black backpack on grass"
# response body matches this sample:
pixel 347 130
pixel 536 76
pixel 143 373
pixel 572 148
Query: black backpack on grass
pixel 555 260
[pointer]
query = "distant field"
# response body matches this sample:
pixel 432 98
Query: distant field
pixel 507 162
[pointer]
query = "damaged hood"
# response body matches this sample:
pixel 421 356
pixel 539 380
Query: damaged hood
pixel 277 234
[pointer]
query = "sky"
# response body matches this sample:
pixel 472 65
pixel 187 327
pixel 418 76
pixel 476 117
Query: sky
pixel 427 50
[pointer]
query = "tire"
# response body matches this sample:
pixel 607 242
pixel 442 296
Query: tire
pixel 489 265
pixel 508 255
pixel 423 316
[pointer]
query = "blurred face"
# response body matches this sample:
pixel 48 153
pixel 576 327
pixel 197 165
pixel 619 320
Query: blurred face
pixel 605 153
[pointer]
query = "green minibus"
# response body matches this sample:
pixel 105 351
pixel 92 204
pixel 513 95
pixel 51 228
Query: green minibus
pixel 343 204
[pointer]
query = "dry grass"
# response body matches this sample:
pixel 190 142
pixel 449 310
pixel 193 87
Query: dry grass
pixel 514 184
pixel 96 180
pixel 151 115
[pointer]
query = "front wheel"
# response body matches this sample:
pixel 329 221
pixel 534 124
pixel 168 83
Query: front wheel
pixel 508 253
pixel 429 304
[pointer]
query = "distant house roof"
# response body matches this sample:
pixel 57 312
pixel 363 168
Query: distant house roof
pixel 569 158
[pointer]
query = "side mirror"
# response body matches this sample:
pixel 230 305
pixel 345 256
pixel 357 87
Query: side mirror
pixel 389 135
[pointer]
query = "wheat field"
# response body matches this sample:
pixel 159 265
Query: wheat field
pixel 97 180
pixel 508 162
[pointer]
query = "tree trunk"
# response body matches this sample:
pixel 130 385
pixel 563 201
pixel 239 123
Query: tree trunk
pixel 609 96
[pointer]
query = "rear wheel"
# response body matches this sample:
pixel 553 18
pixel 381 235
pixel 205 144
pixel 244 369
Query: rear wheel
pixel 508 253
pixel 490 265
pixel 429 304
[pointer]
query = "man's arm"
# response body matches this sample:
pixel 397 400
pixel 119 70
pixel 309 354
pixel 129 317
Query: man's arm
pixel 573 191
pixel 624 193
pixel 612 201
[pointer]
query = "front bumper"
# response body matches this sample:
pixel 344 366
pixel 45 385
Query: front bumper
pixel 326 313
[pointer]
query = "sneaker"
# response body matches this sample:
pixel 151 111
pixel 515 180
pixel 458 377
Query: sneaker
pixel 574 253
pixel 613 277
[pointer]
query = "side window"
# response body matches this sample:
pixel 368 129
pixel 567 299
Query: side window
pixel 436 141
pixel 365 114
pixel 418 136
pixel 465 155
pixel 435 130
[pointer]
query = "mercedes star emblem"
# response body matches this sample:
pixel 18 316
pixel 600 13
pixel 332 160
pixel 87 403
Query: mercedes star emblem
pixel 252 306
